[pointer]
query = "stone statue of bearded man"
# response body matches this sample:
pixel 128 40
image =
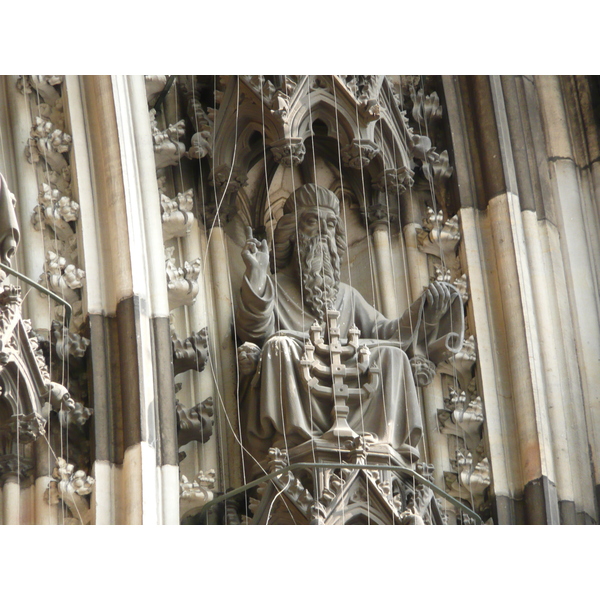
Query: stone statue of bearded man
pixel 276 311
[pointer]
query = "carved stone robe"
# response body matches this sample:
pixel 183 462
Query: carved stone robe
pixel 277 407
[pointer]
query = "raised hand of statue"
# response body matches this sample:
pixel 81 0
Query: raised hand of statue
pixel 437 302
pixel 256 258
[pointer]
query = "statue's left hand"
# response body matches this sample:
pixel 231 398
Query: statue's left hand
pixel 437 302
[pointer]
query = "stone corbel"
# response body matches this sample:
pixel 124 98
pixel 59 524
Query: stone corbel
pixel 474 478
pixel 461 364
pixel 202 141
pixel 438 237
pixel 191 353
pixel 195 424
pixel 182 283
pixel 42 84
pixel 288 152
pixel 71 488
pixel 67 343
pixel 69 411
pixel 168 150
pixel 427 110
pixel 55 210
pixel 177 216
pixel 198 492
pixel 49 143
pixel 359 153
pixel 462 417
pixel 62 278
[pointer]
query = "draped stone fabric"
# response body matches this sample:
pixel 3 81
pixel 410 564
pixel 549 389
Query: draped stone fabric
pixel 277 407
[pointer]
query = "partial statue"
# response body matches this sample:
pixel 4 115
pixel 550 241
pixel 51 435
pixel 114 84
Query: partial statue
pixel 319 364
pixel 9 226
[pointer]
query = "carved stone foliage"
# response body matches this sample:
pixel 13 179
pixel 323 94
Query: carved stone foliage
pixel 65 279
pixel 274 94
pixel 196 423
pixel 365 88
pixel 71 488
pixel 394 181
pixel 196 493
pixel 168 150
pixel 177 216
pixel 342 495
pixel 191 353
pixel 289 152
pixel 359 153
pixel 57 211
pixel 427 110
pixel 182 282
pixel 439 237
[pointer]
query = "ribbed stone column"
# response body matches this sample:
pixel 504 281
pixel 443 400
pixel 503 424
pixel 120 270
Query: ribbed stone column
pixel 581 288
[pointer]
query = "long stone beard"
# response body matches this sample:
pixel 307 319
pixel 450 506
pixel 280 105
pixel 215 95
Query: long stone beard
pixel 320 268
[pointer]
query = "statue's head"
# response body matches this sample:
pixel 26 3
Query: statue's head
pixel 9 226
pixel 308 212
pixel 310 231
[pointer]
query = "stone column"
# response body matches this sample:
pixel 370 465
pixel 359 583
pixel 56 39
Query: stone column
pixel 581 289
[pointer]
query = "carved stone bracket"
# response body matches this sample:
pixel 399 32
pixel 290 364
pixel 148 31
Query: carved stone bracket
pixel 191 353
pixel 55 210
pixel 177 216
pixel 48 142
pixel 196 423
pixel 68 343
pixel 359 153
pixel 423 370
pixel 196 493
pixel 289 152
pixel 71 488
pixel 461 364
pixel 61 277
pixel 438 237
pixel 69 411
pixel 168 150
pixel 182 283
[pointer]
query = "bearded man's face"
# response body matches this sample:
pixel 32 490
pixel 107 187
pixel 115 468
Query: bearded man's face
pixel 319 258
